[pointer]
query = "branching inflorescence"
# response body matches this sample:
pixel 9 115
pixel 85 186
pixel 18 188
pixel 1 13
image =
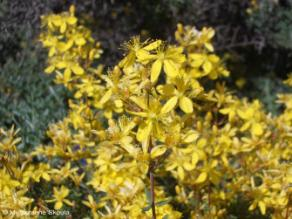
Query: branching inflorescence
pixel 157 131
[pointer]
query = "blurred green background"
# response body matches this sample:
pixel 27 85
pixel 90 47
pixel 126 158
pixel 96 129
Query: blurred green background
pixel 256 38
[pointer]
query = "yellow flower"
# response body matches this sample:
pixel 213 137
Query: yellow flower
pixel 134 47
pixel 230 110
pixel 119 134
pixel 207 62
pixel 169 58
pixel 209 172
pixel 93 206
pixel 63 173
pixel 251 117
pixel 7 184
pixel 179 92
pixel 260 200
pixel 70 66
pixel 114 212
pixel 42 171
pixel 182 160
pixel 288 81
pixel 153 115
pixel 192 38
pixel 240 82
pixel 59 21
pixel 60 197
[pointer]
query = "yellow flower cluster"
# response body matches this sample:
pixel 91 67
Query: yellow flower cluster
pixel 71 47
pixel 156 136
pixel 15 177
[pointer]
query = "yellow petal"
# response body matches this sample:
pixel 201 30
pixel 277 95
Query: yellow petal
pixel 90 199
pixel 52 51
pixel 131 149
pixel 58 205
pixel 167 90
pixel 207 66
pixel 62 64
pixel 196 73
pixel 202 178
pixel 80 41
pixel 63 27
pixel 49 69
pixel 77 69
pixel 140 101
pixel 144 56
pixel 158 151
pixel 202 143
pixel 118 103
pixel 245 114
pixel 57 20
pixel 190 137
pixel 170 68
pixel 186 104
pixel 72 10
pixel 197 59
pixel 245 126
pixel 211 33
pixel 209 47
pixel 256 129
pixel 153 45
pixel 155 70
pixel 145 145
pixel 106 97
pixel 170 105
pixel 252 206
pixel 195 158
pixel 171 166
pixel 71 20
pixel 68 202
pixel 6 190
pixel 128 60
pixel 225 111
pixel 225 160
pixel 67 74
pixel 144 131
pixel 188 166
pixel 65 46
pixel 262 207
pixel 46 176
pixel 213 58
pixel 180 173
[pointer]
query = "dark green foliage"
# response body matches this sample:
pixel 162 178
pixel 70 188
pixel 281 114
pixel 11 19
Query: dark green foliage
pixel 239 209
pixel 272 22
pixel 266 89
pixel 29 98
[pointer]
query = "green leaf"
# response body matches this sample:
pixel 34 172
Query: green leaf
pixel 147 208
pixel 165 216
pixel 148 195
pixel 163 202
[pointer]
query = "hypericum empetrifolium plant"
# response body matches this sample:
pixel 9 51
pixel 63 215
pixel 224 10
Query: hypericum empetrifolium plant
pixel 149 139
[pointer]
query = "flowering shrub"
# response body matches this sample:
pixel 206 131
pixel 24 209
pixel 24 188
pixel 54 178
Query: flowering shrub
pixel 158 135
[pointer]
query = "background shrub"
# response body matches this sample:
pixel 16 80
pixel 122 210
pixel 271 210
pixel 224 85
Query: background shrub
pixel 28 98
pixel 257 37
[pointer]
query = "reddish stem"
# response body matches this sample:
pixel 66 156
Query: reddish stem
pixel 152 195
